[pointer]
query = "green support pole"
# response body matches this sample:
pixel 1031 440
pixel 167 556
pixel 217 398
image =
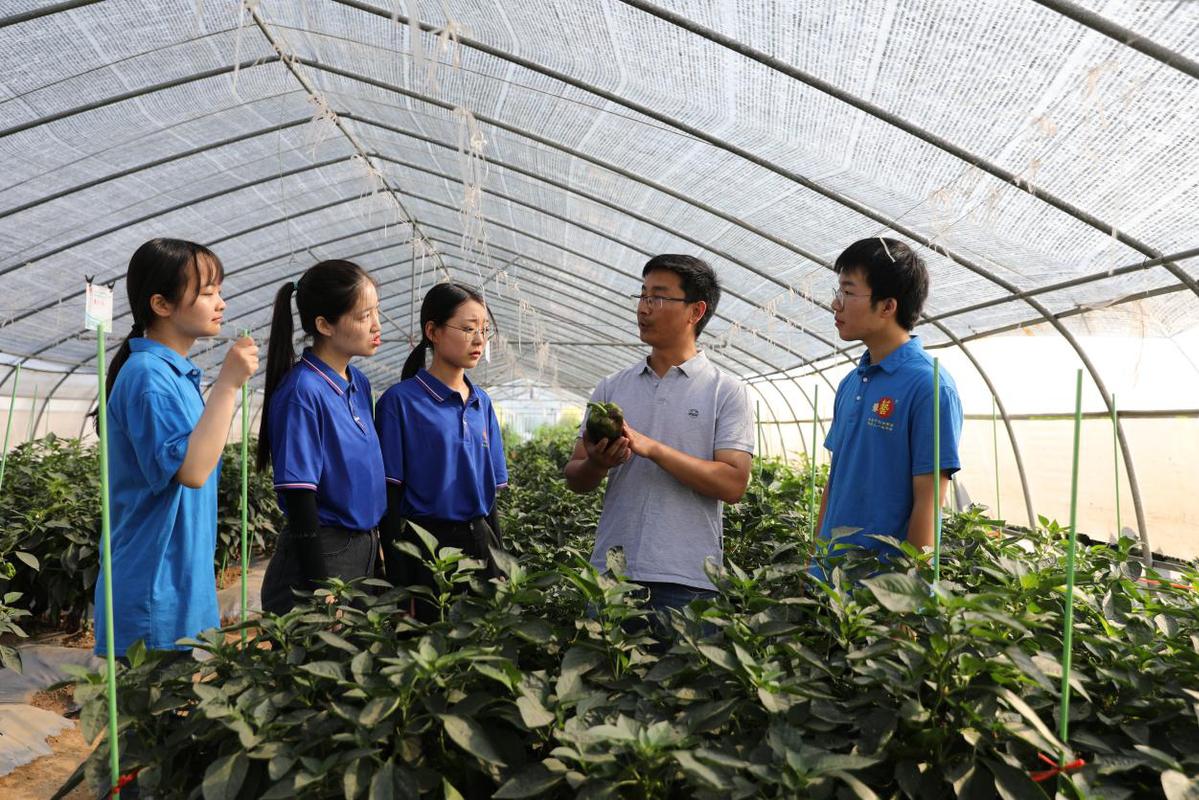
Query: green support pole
pixel 12 403
pixel 32 415
pixel 812 469
pixel 995 454
pixel 936 471
pixel 1068 630
pixel 245 497
pixel 1116 464
pixel 758 424
pixel 114 760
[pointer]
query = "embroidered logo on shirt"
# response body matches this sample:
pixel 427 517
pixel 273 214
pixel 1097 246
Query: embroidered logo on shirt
pixel 882 409
pixel 693 412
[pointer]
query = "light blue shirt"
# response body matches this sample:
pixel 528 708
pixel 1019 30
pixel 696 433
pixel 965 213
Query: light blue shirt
pixel 163 533
pixel 881 437
pixel 667 530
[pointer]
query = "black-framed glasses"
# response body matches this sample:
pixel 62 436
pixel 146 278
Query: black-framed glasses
pixel 655 302
pixel 470 333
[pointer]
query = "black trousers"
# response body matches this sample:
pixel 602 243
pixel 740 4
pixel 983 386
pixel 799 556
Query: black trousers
pixel 345 553
pixel 474 538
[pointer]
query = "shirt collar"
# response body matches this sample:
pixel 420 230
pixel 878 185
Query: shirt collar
pixel 912 348
pixel 340 385
pixel 181 364
pixel 440 392
pixel 690 368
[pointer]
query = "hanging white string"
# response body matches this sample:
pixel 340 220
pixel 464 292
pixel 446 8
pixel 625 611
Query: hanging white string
pixel 446 44
pixel 242 8
pixel 887 249
pixel 473 171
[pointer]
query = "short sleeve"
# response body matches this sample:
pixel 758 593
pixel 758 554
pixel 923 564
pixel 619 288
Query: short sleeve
pixel 296 447
pixel 158 425
pixel 734 421
pixel 832 437
pixel 496 447
pixel 389 426
pixel 921 430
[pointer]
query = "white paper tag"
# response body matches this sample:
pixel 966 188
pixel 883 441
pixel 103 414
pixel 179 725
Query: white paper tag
pixel 487 351
pixel 97 310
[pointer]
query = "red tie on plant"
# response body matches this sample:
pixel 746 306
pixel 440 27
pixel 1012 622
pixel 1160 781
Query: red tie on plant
pixel 1152 582
pixel 124 781
pixel 1055 769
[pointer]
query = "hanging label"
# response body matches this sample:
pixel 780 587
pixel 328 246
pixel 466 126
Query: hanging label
pixel 97 310
pixel 487 351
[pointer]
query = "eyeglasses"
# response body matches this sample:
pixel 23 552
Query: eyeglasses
pixel 840 296
pixel 655 302
pixel 471 333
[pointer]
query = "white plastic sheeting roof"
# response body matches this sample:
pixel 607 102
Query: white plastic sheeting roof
pixel 1039 153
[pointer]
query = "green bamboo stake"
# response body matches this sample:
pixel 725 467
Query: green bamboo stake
pixel 995 452
pixel 936 471
pixel 812 468
pixel 758 424
pixel 114 761
pixel 1116 465
pixel 12 402
pixel 1068 631
pixel 32 415
pixel 245 497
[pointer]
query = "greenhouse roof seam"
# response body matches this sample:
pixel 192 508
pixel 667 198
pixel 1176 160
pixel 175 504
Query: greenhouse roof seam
pixel 1023 184
pixel 1124 36
pixel 46 11
pixel 753 158
pixel 158 162
pixel 289 62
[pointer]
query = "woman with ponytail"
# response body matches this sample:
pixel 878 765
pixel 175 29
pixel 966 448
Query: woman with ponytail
pixel 442 448
pixel 165 448
pixel 319 433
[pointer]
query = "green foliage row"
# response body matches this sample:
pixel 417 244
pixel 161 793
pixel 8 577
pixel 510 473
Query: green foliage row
pixel 50 525
pixel 554 683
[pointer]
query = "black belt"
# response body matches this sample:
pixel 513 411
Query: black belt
pixel 375 530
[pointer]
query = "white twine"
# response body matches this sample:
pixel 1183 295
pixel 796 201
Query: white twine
pixel 246 5
pixel 887 249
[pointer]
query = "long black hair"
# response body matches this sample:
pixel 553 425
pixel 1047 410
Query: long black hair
pixel 161 266
pixel 439 305
pixel 328 289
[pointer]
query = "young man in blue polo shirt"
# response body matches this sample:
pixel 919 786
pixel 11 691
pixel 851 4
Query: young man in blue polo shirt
pixel 687 444
pixel 881 438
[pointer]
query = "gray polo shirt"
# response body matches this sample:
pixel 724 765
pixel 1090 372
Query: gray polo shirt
pixel 666 529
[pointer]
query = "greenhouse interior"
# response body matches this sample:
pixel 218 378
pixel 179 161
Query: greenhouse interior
pixel 1038 157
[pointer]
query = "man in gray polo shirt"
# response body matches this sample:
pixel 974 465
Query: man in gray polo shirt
pixel 687 445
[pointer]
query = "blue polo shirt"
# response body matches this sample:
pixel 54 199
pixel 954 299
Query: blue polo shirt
pixel 881 437
pixel 163 533
pixel 323 439
pixel 448 455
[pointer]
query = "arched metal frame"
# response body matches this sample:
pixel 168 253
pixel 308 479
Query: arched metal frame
pixel 600 233
pixel 1014 293
pixel 878 217
pixel 1007 422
